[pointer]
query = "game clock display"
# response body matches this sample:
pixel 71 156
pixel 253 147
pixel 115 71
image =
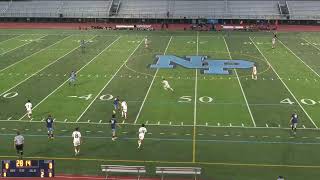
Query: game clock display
pixel 27 168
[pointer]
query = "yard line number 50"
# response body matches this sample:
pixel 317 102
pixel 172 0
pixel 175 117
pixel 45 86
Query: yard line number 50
pixel 203 99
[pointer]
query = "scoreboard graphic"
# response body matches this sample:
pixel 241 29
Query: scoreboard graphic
pixel 27 168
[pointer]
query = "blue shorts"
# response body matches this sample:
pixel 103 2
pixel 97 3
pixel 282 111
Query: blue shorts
pixel 116 106
pixel 113 130
pixel 50 129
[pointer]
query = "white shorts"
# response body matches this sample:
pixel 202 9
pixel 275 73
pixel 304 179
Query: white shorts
pixel 125 110
pixel 294 125
pixel 273 41
pixel 141 136
pixel 166 86
pixel 76 143
pixel 254 72
pixel 29 111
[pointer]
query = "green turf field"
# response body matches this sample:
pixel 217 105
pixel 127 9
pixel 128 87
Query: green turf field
pixel 230 125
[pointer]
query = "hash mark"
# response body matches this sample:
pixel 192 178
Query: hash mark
pixel 9 118
pixel 230 124
pixel 158 122
pixel 218 124
pixel 162 133
pixel 65 120
pixel 123 122
pixel 277 136
pixel 170 123
pixel 206 124
pixel 267 125
pixel 242 125
pixel 88 121
pixel 181 123
pixel 303 126
pixel 100 121
pixel 147 122
pixel 226 135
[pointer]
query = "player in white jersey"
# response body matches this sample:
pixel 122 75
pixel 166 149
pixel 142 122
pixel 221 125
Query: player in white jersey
pixel 166 85
pixel 124 108
pixel 146 42
pixel 142 132
pixel 28 106
pixel 254 75
pixel 273 42
pixel 76 141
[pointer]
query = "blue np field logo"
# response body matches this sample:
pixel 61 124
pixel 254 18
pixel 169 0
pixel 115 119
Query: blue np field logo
pixel 207 66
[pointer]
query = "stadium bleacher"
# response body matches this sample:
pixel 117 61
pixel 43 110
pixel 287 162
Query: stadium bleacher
pixel 219 9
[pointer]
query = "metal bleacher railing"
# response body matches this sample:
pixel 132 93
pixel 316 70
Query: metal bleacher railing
pixel 176 9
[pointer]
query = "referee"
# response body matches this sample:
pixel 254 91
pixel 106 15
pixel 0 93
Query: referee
pixel 18 144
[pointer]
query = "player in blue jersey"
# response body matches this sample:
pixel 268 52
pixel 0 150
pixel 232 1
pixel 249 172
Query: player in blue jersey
pixel 116 103
pixel 72 79
pixel 294 123
pixel 113 124
pixel 49 123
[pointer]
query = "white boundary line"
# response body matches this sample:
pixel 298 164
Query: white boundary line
pixel 299 58
pixel 154 77
pixel 284 83
pixel 243 93
pixel 35 53
pixel 40 70
pixel 21 45
pixel 76 72
pixel 114 75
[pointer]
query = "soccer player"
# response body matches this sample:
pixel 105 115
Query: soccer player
pixel 72 79
pixel 166 85
pixel 124 107
pixel 280 178
pixel 28 106
pixel 142 132
pixel 294 123
pixel 49 122
pixel 18 144
pixel 76 141
pixel 82 45
pixel 116 103
pixel 113 123
pixel 254 75
pixel 146 42
pixel 274 40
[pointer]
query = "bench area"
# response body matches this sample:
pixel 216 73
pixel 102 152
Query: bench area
pixel 138 170
pixel 178 171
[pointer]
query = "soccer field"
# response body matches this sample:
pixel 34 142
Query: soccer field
pixel 230 125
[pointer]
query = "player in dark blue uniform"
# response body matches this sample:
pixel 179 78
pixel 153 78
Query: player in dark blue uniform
pixel 113 124
pixel 116 103
pixel 294 122
pixel 49 123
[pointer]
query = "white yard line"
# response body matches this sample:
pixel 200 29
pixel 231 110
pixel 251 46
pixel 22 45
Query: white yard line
pixel 284 83
pixel 299 58
pixel 40 70
pixel 21 46
pixel 10 38
pixel 311 43
pixel 159 124
pixel 108 82
pixel 195 108
pixel 67 79
pixel 154 77
pixel 243 93
pixel 34 53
